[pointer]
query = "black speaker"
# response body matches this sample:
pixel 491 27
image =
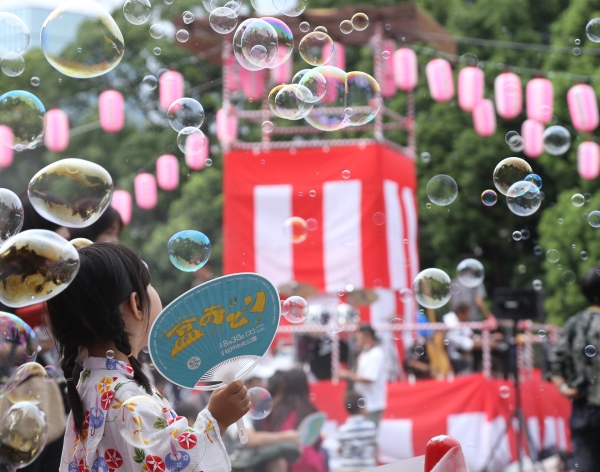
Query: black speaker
pixel 518 304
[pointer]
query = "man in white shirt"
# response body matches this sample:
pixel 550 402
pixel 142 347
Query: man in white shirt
pixel 461 340
pixel 370 378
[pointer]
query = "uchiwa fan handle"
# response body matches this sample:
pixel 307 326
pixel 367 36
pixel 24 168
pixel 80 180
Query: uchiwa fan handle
pixel 241 427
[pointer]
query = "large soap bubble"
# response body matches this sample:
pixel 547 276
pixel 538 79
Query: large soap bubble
pixel 293 102
pixel 15 34
pixel 262 403
pixel 35 265
pixel 470 273
pixel 189 250
pixel 71 192
pixel 363 98
pixel 312 48
pixel 11 214
pixel 314 81
pixel 442 190
pixel 262 43
pixel 26 384
pixel 592 30
pixel 294 309
pixel 137 12
pixel 523 198
pixel 328 114
pixel 223 20
pixel 25 115
pixel 508 171
pixel 102 49
pixel 557 140
pixel 23 434
pixel 18 344
pixel 12 64
pixel 185 113
pixel 431 288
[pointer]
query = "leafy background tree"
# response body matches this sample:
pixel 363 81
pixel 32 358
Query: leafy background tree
pixel 447 234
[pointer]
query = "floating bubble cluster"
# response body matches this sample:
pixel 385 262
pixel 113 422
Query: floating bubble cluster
pixel 509 171
pixel 262 43
pixel 103 48
pixel 189 250
pixel 71 192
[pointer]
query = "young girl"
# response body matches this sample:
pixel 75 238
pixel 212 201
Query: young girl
pixel 119 422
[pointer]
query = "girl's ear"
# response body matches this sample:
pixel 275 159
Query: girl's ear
pixel 135 306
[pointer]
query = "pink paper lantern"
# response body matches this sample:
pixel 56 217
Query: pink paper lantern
pixel 406 71
pixel 588 160
pixel 440 80
pixel 56 135
pixel 146 193
pixel 338 59
pixel 470 87
pixel 170 88
pixel 540 100
pixel 122 202
pixel 111 106
pixel 253 82
pixel 388 86
pixel 6 150
pixel 509 95
pixel 484 118
pixel 167 172
pixel 196 151
pixel 282 74
pixel 583 108
pixel 234 79
pixel 227 126
pixel 532 133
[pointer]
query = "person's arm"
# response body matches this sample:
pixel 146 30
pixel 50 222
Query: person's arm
pixel 267 438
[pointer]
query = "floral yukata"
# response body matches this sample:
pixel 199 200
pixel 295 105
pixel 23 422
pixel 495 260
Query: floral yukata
pixel 127 430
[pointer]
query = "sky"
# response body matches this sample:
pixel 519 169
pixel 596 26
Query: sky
pixel 108 4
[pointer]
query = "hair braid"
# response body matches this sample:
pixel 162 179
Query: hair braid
pixel 70 353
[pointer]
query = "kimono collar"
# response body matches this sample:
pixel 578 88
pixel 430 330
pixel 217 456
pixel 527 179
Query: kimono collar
pixel 104 363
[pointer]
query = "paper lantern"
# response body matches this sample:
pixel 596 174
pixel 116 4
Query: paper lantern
pixel 583 108
pixel 484 118
pixel 509 95
pixel 6 150
pixel 540 100
pixel 196 151
pixel 56 135
pixel 282 74
pixel 122 202
pixel 234 79
pixel 406 71
pixel 146 194
pixel 338 59
pixel 167 172
pixel 532 134
pixel 387 84
pixel 253 82
pixel 111 106
pixel 227 126
pixel 170 88
pixel 470 87
pixel 440 80
pixel 588 160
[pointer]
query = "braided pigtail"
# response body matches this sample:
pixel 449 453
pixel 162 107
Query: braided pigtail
pixel 69 361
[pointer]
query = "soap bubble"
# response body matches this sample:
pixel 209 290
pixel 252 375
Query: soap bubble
pixel 149 82
pixel 509 171
pixel 504 391
pixel 432 288
pixel 568 277
pixel 346 27
pixel 293 102
pixel 35 81
pixel 23 434
pixel 419 350
pixel 35 265
pixel 223 20
pixel 267 7
pixel 12 64
pixel 157 31
pixel 320 29
pixel 362 93
pixel 15 34
pixel 557 140
pixel 294 309
pixel 537 285
pixel 80 243
pixel 577 200
pixel 346 174
pixel 332 316
pixel 330 116
pixel 11 214
pixel 360 21
pixel 552 256
pixel 314 81
pixel 534 178
pixel 311 48
pixel 185 112
pixel 18 344
pixel 489 198
pixel 145 434
pixel 188 17
pixel 296 229
pixel 267 127
pixel 442 190
pixel 525 234
pixel 191 141
pixel 523 198
pixel 584 255
pixel 100 53
pixel 592 30
pixel 262 43
pixel 590 350
pixel 137 12
pixel 24 114
pixel 304 27
pixel 262 403
pixel 71 192
pixel 183 35
pixel 290 8
pixel 110 354
pixel 513 138
pixel 425 157
pixel 189 250
pixel 156 51
pixel 470 273
pixel 26 384
pixel 379 218
pixel 395 322
pixel 594 219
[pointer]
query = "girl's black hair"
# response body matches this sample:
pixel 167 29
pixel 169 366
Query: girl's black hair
pixel 88 310
pixel 295 398
pixel 106 220
pixel 31 218
pixel 590 285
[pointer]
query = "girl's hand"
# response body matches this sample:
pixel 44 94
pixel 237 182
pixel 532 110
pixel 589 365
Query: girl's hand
pixel 229 404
